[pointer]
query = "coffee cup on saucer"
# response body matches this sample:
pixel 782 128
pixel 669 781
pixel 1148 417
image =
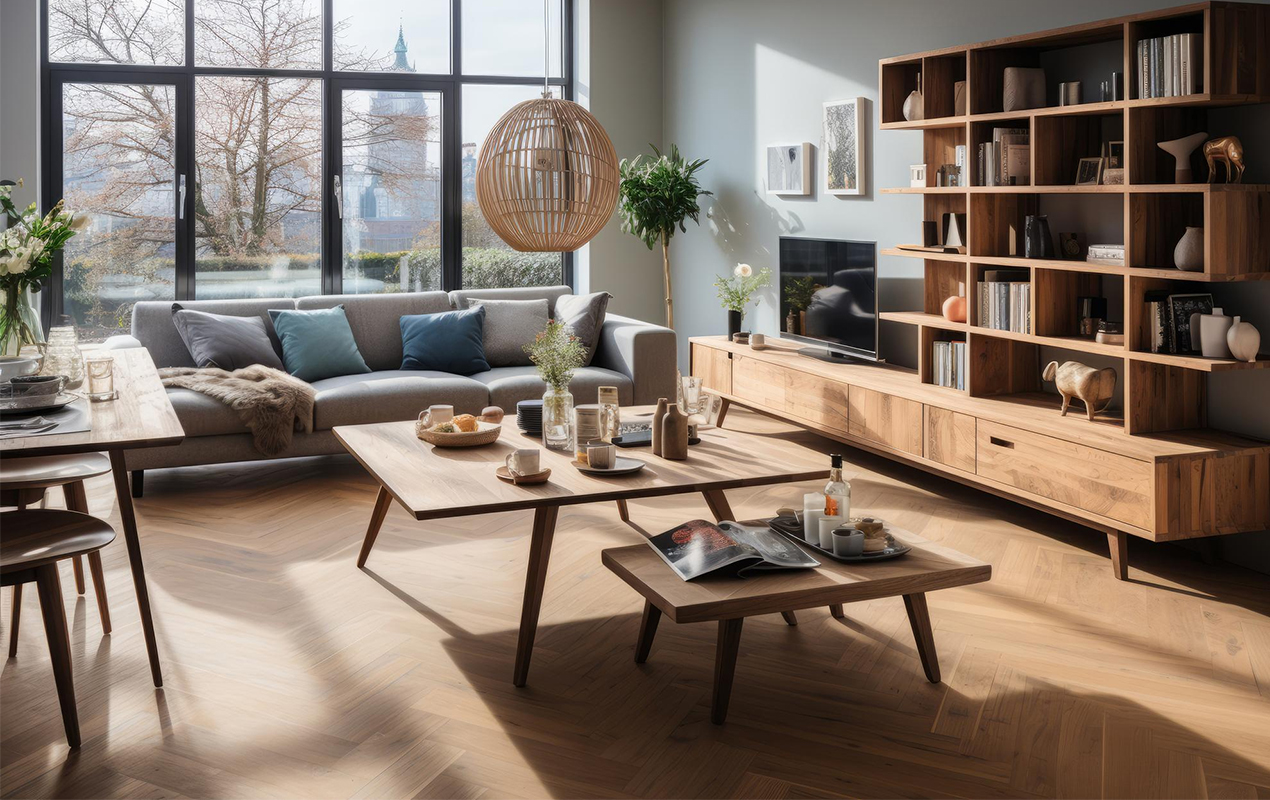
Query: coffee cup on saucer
pixel 524 461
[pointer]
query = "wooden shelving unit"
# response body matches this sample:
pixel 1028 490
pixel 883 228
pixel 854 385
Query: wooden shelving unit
pixel 1153 211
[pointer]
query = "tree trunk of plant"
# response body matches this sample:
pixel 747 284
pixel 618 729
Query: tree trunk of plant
pixel 665 265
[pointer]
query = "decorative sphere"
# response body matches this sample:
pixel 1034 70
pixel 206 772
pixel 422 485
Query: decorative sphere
pixel 955 309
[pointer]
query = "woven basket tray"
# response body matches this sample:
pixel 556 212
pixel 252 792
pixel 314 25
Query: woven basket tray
pixel 485 433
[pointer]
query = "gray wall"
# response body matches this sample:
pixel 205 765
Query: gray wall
pixel 743 74
pixel 19 96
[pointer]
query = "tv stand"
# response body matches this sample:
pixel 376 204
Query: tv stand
pixel 1182 484
pixel 833 356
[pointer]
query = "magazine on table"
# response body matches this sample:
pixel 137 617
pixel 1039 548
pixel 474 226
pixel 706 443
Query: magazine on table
pixel 699 548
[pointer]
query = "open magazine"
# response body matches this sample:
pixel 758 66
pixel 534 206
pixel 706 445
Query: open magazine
pixel 699 548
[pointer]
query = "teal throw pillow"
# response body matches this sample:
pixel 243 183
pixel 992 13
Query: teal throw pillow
pixel 451 341
pixel 317 344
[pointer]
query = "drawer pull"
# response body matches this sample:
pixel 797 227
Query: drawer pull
pixel 1000 442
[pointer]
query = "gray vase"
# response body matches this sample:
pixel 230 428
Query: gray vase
pixel 1189 253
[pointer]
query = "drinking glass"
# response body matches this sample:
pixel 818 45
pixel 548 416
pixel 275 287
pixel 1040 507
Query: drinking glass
pixel 100 369
pixel 692 400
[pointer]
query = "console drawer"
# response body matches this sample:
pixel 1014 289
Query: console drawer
pixel 713 367
pixel 759 383
pixel 816 400
pixel 893 421
pixel 1105 483
pixel 950 438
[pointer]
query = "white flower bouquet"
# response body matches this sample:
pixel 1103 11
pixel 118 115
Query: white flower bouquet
pixel 736 290
pixel 27 247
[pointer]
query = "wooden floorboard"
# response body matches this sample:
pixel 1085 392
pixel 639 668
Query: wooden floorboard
pixel 289 673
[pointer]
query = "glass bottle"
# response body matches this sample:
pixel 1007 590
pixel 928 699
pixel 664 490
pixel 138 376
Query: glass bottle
pixel 610 414
pixel 62 355
pixel 557 419
pixel 837 491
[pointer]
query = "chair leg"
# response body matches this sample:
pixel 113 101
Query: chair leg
pixel 837 610
pixel 15 614
pixel 623 512
pixel 77 500
pixel 790 617
pixel 77 566
pixel 138 482
pixel 49 586
pixel 99 587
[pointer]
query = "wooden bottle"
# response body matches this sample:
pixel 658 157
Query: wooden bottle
pixel 658 415
pixel 674 434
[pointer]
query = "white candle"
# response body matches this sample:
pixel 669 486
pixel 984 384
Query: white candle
pixel 811 526
pixel 827 525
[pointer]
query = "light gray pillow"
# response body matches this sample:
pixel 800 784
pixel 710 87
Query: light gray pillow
pixel 218 340
pixel 583 315
pixel 509 326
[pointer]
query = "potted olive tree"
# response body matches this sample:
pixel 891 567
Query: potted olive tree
pixel 657 195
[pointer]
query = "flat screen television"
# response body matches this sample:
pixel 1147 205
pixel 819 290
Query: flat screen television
pixel 841 317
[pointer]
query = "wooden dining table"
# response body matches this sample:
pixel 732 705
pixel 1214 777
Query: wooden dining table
pixel 142 416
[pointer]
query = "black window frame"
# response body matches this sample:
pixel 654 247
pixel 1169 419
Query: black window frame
pixel 54 74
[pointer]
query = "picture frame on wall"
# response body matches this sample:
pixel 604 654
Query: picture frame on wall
pixel 789 169
pixel 843 145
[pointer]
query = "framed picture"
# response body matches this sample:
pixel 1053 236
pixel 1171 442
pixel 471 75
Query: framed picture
pixel 1069 245
pixel 1115 155
pixel 789 168
pixel 917 176
pixel 1089 171
pixel 1181 308
pixel 843 146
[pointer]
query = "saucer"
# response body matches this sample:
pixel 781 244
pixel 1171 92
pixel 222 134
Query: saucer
pixel 522 480
pixel 622 466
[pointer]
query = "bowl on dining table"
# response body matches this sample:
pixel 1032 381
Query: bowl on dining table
pixel 35 386
pixel 16 366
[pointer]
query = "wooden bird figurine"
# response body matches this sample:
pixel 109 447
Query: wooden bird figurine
pixel 1094 387
pixel 1229 151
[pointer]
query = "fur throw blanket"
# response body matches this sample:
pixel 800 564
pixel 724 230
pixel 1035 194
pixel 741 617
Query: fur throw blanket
pixel 270 402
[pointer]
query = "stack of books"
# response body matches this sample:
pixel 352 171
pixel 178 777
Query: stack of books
pixel 1111 254
pixel 1006 160
pixel 1005 300
pixel 1170 66
pixel 948 364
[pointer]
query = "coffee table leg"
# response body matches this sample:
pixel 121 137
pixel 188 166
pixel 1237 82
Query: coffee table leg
pixel 535 580
pixel 790 617
pixel 724 667
pixel 623 511
pixel 123 496
pixel 919 618
pixel 647 630
pixel 382 501
pixel 723 412
pixel 838 611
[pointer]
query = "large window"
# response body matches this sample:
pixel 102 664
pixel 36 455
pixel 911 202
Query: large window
pixel 248 148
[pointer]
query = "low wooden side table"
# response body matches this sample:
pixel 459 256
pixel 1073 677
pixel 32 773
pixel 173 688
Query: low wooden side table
pixel 730 600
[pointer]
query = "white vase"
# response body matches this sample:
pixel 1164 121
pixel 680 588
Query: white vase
pixel 913 103
pixel 1244 340
pixel 1212 333
pixel 1189 253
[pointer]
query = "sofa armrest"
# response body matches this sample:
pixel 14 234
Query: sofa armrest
pixel 644 352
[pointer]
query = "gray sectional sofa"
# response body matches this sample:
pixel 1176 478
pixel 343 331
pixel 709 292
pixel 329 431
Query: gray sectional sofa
pixel 637 357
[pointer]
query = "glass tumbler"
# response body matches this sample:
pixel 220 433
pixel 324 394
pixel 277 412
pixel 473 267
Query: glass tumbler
pixel 100 374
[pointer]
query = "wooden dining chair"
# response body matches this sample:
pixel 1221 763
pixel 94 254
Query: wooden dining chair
pixel 34 541
pixel 23 483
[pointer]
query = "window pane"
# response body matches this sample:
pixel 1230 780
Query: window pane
pixel 117 31
pixel 268 34
pixel 393 35
pixel 257 190
pixel 504 37
pixel 118 167
pixel 392 191
pixel 487 260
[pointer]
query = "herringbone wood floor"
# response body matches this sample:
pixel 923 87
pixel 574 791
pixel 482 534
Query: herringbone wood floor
pixel 289 673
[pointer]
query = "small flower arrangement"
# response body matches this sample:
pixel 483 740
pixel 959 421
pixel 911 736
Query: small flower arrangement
pixel 27 248
pixel 556 353
pixel 736 290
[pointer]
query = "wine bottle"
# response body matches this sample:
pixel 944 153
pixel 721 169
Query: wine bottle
pixel 837 491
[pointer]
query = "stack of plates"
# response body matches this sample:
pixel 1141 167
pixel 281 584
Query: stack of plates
pixel 529 417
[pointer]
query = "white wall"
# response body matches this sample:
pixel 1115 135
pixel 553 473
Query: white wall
pixel 742 74
pixel 19 96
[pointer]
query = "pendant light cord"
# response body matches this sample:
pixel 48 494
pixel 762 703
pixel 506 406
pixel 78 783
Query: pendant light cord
pixel 546 47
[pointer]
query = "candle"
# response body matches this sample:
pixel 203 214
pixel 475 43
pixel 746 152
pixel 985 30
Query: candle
pixel 827 526
pixel 811 526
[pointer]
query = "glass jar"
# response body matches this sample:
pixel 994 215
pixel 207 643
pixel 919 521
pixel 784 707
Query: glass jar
pixel 62 355
pixel 610 414
pixel 586 429
pixel 557 419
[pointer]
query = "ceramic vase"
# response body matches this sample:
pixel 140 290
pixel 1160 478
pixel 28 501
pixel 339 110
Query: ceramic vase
pixel 1023 87
pixel 734 322
pixel 1212 333
pixel 1037 242
pixel 1244 340
pixel 1189 253
pixel 1181 150
pixel 674 434
pixel 913 103
pixel 659 415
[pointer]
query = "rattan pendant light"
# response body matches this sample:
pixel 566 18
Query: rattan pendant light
pixel 547 180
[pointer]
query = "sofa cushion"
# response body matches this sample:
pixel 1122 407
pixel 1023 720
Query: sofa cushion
pixel 583 316
pixel 318 343
pixel 201 415
pixel 509 326
pixel 152 325
pixel 374 319
pixel 452 341
pixel 391 395
pixel 224 341
pixel 509 385
pixel 461 297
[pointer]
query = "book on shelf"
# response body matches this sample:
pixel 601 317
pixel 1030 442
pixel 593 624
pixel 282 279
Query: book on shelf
pixel 1170 66
pixel 1005 300
pixel 1159 322
pixel 699 548
pixel 948 361
pixel 1110 254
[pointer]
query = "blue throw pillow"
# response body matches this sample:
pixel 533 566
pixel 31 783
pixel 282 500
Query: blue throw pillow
pixel 317 344
pixel 451 341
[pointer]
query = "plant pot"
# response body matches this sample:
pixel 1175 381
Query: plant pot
pixel 1037 242
pixel 1189 253
pixel 734 322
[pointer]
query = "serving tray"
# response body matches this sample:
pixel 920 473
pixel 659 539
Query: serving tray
pixel 792 529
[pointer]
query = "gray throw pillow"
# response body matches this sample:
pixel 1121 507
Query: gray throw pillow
pixel 509 326
pixel 583 315
pixel 218 340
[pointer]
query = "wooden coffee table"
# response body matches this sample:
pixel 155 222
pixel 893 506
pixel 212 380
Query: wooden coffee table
pixel 434 483
pixel 730 600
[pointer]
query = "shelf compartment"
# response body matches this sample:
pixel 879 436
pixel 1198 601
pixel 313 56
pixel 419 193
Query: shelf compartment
pixel 1189 21
pixel 936 205
pixel 1164 398
pixel 1157 223
pixel 997 222
pixel 981 133
pixel 1002 366
pixel 898 80
pixel 1055 304
pixel 978 272
pixel 944 279
pixel 1148 164
pixel 927 336
pixel 1138 330
pixel 1061 142
pixel 939 77
pixel 939 148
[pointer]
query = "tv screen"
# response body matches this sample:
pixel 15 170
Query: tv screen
pixel 836 280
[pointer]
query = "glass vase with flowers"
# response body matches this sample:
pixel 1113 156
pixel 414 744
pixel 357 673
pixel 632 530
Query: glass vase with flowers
pixel 557 354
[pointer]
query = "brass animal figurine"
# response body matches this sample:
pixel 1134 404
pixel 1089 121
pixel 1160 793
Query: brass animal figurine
pixel 1229 151
pixel 1073 379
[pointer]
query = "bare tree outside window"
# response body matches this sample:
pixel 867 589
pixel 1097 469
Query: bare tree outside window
pixel 117 31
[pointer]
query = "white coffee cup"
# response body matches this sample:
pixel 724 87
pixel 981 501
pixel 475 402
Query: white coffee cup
pixel 437 414
pixel 848 542
pixel 601 455
pixel 524 461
